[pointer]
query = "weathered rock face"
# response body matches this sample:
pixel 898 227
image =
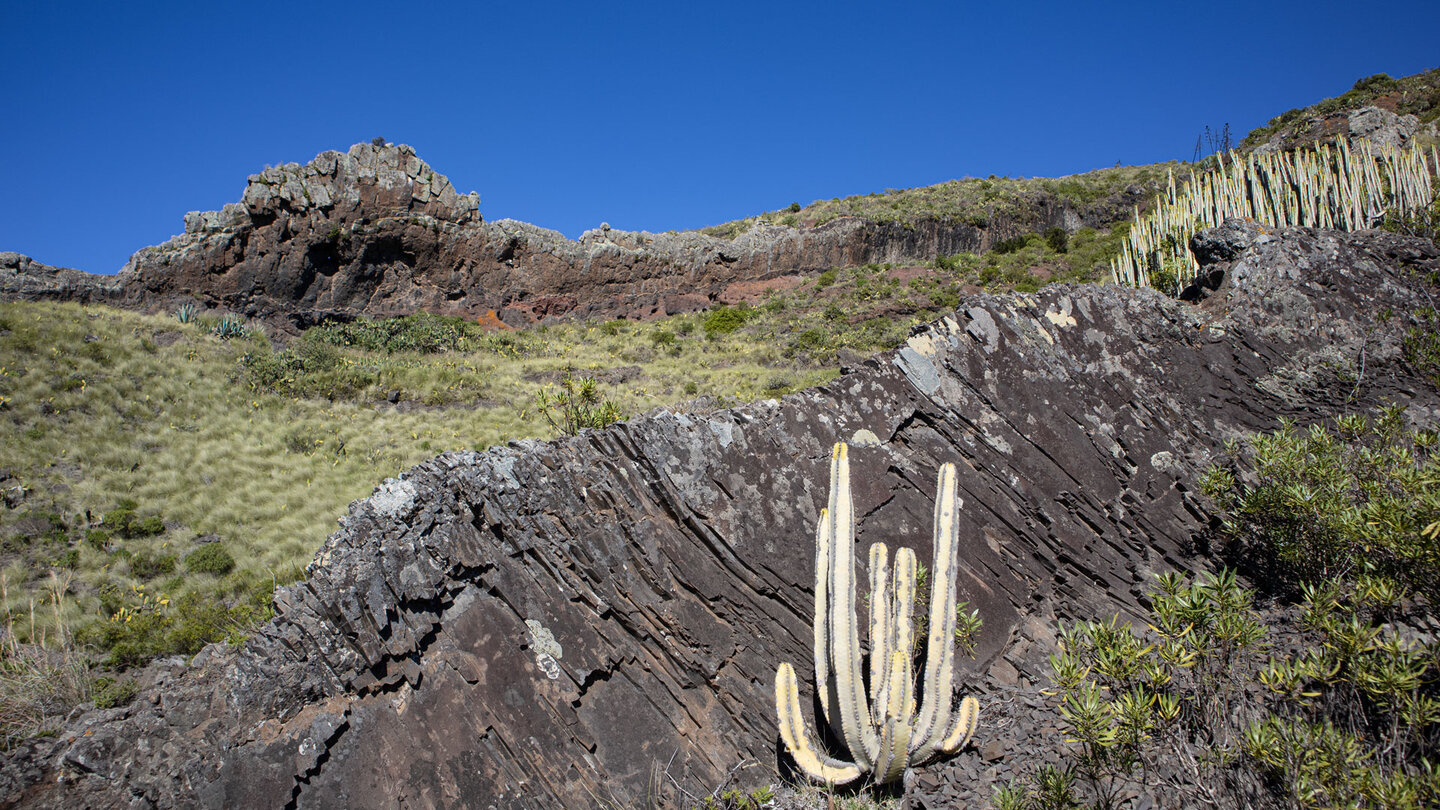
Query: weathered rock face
pixel 599 619
pixel 1376 124
pixel 24 279
pixel 375 231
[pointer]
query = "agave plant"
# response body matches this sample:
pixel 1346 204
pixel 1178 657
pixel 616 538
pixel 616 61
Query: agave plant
pixel 883 730
pixel 230 326
pixel 187 313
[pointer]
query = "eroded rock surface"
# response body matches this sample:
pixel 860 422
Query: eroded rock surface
pixel 375 231
pixel 597 621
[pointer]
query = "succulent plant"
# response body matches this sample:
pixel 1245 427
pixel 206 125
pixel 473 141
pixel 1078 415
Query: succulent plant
pixel 1340 186
pixel 186 313
pixel 883 730
pixel 230 326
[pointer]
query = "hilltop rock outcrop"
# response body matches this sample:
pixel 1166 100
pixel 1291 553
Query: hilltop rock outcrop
pixel 598 620
pixel 375 231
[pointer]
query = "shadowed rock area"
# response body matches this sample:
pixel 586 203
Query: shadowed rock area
pixel 375 231
pixel 597 621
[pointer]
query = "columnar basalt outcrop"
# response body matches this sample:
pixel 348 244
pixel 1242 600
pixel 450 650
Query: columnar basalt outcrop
pixel 597 620
pixel 376 232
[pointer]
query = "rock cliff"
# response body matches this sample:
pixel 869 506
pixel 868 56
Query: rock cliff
pixel 375 231
pixel 597 620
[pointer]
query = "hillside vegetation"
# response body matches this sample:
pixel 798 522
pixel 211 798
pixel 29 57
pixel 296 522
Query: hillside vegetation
pixel 170 474
pixel 1417 95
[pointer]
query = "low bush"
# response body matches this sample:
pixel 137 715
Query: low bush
pixel 723 320
pixel 1326 500
pixel 124 521
pixel 211 558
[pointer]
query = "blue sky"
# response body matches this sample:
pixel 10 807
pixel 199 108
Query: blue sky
pixel 120 117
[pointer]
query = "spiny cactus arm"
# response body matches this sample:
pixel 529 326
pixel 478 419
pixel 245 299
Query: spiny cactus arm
pixel 849 695
pixel 882 609
pixel 895 728
pixel 904 625
pixel 822 613
pixel 966 718
pixel 934 718
pixel 818 766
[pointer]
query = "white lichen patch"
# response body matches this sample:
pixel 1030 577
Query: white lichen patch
pixel 547 649
pixel 394 498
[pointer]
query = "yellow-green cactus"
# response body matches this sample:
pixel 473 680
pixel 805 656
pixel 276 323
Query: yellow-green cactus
pixel 883 730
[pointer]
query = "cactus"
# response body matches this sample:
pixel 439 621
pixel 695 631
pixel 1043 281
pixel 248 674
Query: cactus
pixel 884 734
pixel 1345 186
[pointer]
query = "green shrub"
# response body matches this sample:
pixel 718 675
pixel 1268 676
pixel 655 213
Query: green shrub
pixel 826 278
pixel 145 567
pixel 109 693
pixel 575 404
pixel 98 539
pixel 211 558
pixel 421 332
pixel 723 320
pixel 1326 499
pixel 124 521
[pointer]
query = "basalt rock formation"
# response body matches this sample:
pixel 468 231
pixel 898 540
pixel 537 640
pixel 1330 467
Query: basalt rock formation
pixel 375 231
pixel 599 619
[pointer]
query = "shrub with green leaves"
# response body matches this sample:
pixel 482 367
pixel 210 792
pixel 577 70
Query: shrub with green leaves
pixel 1327 499
pixel 126 522
pixel 723 320
pixel 1128 698
pixel 575 404
pixel 211 558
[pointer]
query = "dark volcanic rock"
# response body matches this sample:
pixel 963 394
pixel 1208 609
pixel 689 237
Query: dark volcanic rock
pixel 375 231
pixel 24 279
pixel 598 620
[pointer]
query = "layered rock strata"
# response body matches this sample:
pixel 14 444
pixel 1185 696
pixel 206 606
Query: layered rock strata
pixel 598 620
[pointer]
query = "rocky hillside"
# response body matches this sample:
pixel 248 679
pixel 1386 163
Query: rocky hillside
pixel 1388 111
pixel 375 231
pixel 598 620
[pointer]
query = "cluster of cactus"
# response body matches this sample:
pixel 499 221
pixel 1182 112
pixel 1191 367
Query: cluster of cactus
pixel 1326 186
pixel 883 731
pixel 187 313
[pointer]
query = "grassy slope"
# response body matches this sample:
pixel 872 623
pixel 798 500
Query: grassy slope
pixel 100 405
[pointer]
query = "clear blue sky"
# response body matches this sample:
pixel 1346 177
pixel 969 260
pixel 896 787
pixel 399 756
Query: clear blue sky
pixel 120 117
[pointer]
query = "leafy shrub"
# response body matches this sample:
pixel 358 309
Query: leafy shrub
pixel 98 539
pixel 143 627
pixel 1010 245
pixel 145 567
pixel 124 521
pixel 1058 239
pixel 1327 499
pixel 575 404
pixel 421 332
pixel 1126 698
pixel 211 558
pixel 723 320
pixel 826 278
pixel 109 693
